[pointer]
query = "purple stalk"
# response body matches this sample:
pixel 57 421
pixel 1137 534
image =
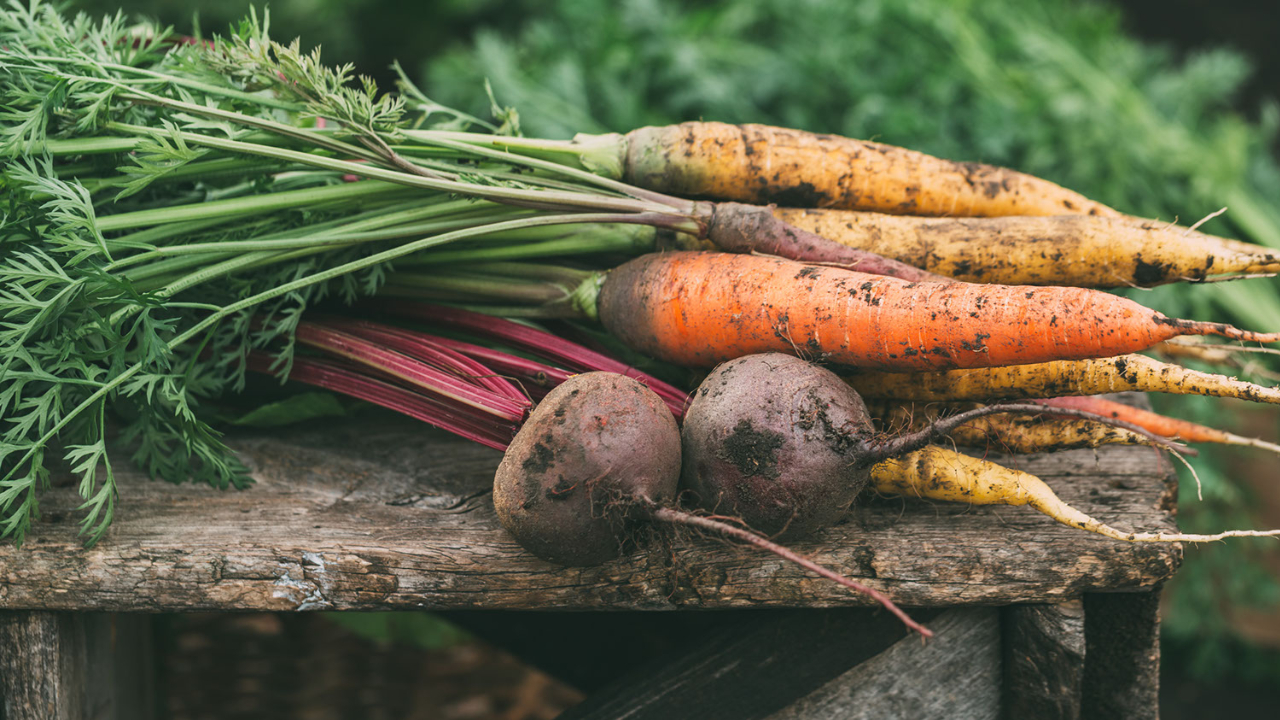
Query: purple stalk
pixel 430 350
pixel 541 375
pixel 538 342
pixel 462 420
pixel 739 228
pixel 538 374
pixel 409 370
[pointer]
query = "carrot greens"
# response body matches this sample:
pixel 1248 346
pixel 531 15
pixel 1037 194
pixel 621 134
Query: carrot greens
pixel 171 207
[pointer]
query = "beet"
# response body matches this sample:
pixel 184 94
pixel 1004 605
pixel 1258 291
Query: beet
pixel 778 442
pixel 782 444
pixel 598 457
pixel 594 456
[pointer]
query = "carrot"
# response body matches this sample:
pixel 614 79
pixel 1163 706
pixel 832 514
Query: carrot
pixel 938 474
pixel 1080 250
pixel 762 164
pixel 699 309
pixel 1006 433
pixel 1161 425
pixel 1057 378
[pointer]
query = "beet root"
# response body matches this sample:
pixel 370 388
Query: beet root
pixel 778 442
pixel 592 460
pixel 599 456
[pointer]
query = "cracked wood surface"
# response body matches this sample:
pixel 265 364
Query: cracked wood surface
pixel 382 513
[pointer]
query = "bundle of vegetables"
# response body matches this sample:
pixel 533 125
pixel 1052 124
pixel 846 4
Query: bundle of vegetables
pixel 1075 92
pixel 161 193
pixel 600 456
pixel 174 207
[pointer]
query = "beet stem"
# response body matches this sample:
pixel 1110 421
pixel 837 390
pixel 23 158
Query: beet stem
pixel 539 342
pixel 679 517
pixel 914 441
pixel 429 349
pixel 410 370
pixel 457 418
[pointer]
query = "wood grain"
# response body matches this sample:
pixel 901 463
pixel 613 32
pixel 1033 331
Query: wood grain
pixel 750 669
pixel 1044 658
pixel 380 513
pixel 42 666
pixel 956 675
pixel 1122 656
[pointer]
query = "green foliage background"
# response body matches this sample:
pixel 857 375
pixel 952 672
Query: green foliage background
pixel 1051 87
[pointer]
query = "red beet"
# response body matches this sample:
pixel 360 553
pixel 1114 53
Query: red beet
pixel 592 459
pixel 778 442
pixel 597 457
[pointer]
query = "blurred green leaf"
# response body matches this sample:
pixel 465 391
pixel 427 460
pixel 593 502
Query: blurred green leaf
pixel 293 409
pixel 419 629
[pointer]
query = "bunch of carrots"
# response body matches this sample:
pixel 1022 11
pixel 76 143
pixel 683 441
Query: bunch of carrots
pixel 181 213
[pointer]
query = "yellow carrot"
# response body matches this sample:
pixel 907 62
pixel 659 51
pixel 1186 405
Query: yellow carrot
pixel 939 474
pixel 1078 250
pixel 762 164
pixel 1003 433
pixel 1057 378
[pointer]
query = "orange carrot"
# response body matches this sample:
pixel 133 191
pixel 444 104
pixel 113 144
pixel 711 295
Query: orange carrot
pixel 700 309
pixel 1161 425
pixel 762 164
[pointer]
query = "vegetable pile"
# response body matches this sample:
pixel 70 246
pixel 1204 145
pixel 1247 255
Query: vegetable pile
pixel 182 212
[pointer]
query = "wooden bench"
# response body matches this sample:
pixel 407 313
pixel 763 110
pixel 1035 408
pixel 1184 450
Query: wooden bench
pixel 1033 619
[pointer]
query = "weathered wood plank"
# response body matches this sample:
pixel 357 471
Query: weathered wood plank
pixel 1122 656
pixel 953 676
pixel 591 650
pixel 384 514
pixel 1044 655
pixel 75 666
pixel 42 666
pixel 749 669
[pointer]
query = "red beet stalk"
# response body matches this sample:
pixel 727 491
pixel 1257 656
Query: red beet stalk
pixel 541 376
pixel 430 350
pixel 532 340
pixel 412 371
pixel 459 419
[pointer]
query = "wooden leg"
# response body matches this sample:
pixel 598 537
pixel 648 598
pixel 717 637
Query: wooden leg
pixel 70 666
pixel 752 669
pixel 1044 658
pixel 1122 656
pixel 954 676
pixel 42 666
